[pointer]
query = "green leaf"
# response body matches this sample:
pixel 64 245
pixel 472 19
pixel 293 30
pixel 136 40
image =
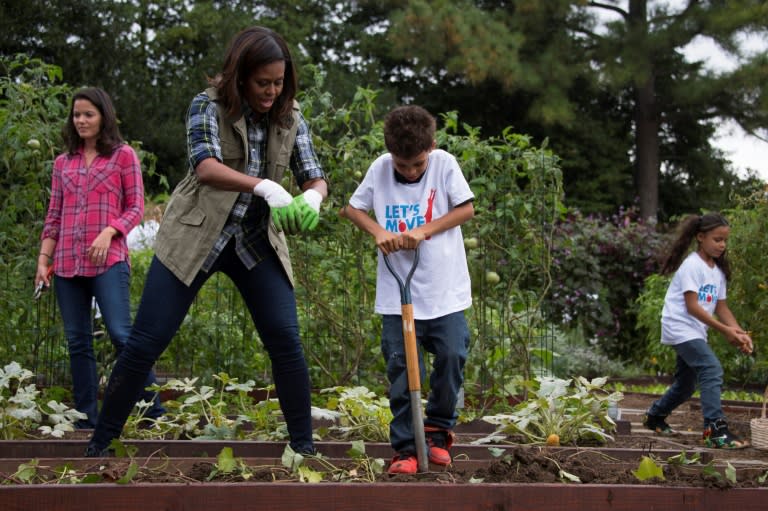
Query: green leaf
pixel 648 469
pixel 683 459
pixel 291 459
pixel 357 450
pixel 711 471
pixel 496 452
pixel 226 462
pixel 26 471
pixel 307 475
pixel 121 450
pixel 133 469
pixel 91 479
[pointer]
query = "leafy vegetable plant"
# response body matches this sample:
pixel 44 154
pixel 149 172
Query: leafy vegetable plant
pixel 21 414
pixel 574 409
pixel 648 469
pixel 225 412
pixel 358 413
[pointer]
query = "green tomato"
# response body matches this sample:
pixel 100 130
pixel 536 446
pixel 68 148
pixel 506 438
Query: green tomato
pixel 33 143
pixel 471 243
pixel 492 277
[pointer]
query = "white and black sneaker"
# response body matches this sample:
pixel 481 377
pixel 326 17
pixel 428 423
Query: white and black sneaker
pixel 717 436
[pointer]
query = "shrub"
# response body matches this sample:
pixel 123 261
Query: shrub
pixel 599 265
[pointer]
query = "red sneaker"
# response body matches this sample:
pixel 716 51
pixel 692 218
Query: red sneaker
pixel 439 442
pixel 404 464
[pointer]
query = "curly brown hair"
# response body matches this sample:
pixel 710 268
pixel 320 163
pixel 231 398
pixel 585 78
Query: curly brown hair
pixel 408 131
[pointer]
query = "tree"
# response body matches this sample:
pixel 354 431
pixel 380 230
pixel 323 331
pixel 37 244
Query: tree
pixel 152 56
pixel 649 42
pixel 565 69
pixel 605 82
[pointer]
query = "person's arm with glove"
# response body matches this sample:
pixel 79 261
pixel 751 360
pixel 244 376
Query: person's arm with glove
pixel 303 214
pixel 214 173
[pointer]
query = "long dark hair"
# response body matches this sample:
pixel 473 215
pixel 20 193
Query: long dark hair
pixel 689 227
pixel 249 50
pixel 109 134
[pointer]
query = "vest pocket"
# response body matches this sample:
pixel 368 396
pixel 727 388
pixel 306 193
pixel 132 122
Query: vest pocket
pixel 194 217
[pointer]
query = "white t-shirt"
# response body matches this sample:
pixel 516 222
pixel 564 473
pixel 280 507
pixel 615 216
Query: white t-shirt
pixel 677 325
pixel 440 283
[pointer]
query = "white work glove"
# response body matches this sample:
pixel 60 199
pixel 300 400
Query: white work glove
pixel 273 193
pixel 313 198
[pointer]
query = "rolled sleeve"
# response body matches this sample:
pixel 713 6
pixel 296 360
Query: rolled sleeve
pixel 304 162
pixel 133 191
pixel 202 131
pixel 52 225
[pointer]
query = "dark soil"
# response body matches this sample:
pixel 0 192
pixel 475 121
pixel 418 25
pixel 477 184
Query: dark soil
pixel 535 464
pixel 526 464
pixel 539 464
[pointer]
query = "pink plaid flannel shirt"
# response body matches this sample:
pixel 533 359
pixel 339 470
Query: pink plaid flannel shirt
pixel 86 200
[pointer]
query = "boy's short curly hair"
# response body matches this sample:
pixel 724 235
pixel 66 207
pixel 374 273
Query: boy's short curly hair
pixel 409 130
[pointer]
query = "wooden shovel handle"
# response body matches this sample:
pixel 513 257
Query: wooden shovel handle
pixel 411 351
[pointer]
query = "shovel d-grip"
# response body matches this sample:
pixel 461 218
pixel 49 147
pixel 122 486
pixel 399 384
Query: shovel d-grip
pixel 412 360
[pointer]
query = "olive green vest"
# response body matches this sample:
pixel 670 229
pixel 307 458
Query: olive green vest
pixel 196 213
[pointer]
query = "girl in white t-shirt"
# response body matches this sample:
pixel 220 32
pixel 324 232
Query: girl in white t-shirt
pixel 695 301
pixel 419 198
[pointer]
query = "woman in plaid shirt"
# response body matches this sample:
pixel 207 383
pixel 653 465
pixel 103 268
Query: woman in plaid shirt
pixel 97 197
pixel 231 215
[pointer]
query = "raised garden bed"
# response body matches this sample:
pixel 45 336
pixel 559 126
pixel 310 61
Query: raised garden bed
pixel 375 497
pixel 174 475
pixel 183 475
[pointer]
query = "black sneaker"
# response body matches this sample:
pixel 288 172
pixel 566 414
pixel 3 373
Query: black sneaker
pixel 94 452
pixel 658 424
pixel 717 436
pixel 305 450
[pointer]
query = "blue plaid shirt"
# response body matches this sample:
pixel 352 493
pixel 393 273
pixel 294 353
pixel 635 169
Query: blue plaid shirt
pixel 249 219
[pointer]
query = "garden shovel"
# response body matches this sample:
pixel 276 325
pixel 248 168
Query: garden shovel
pixel 412 360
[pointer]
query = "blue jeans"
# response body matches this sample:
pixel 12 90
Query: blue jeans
pixel 269 296
pixel 112 292
pixel 447 338
pixel 698 365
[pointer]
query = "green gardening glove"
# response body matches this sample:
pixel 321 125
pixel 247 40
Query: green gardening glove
pixel 301 215
pixel 287 218
pixel 309 209
pixel 284 213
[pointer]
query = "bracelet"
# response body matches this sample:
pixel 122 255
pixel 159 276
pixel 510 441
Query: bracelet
pixel 46 255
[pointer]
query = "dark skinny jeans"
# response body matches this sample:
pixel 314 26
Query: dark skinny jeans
pixel 270 298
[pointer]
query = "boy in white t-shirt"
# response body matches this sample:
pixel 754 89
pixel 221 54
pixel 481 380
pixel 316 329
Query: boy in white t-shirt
pixel 419 198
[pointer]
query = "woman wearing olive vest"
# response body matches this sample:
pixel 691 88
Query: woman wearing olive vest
pixel 230 215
